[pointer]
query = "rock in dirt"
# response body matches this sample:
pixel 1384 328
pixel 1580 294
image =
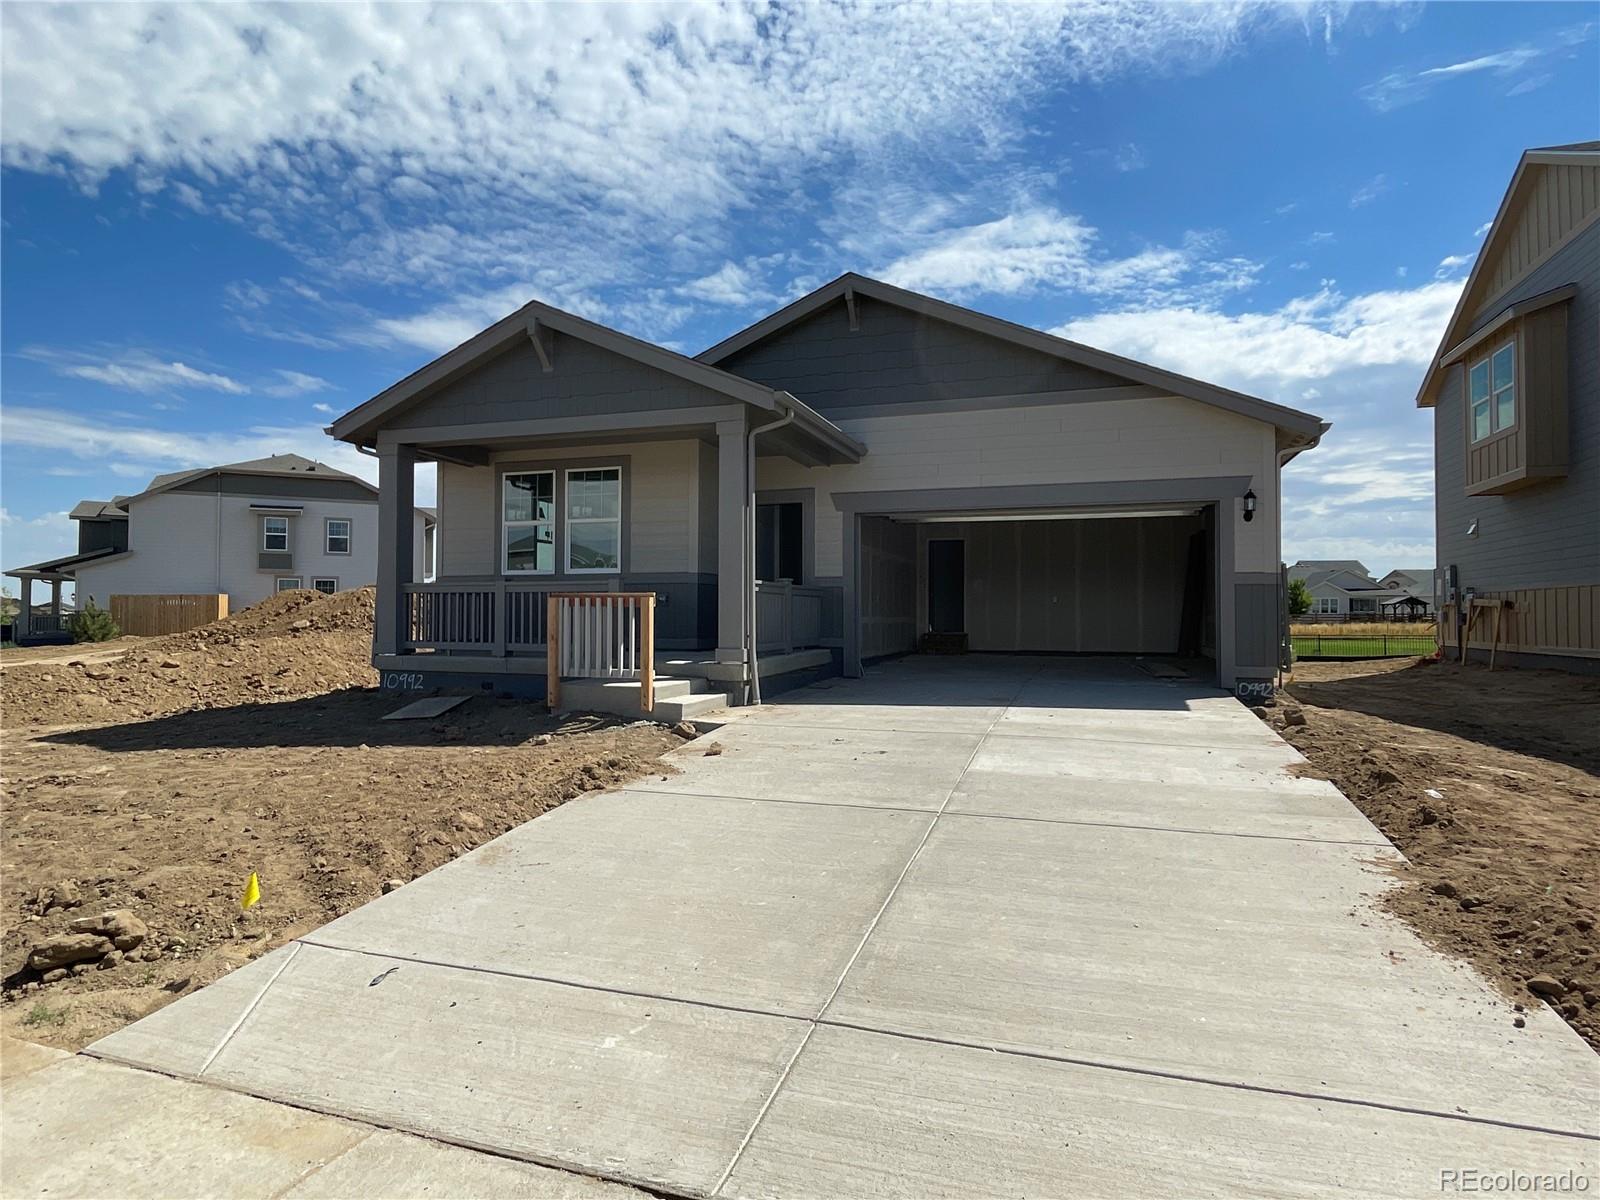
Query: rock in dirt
pixel 1445 889
pixel 1293 716
pixel 124 930
pixel 54 976
pixel 1547 986
pixel 297 626
pixel 686 731
pixel 392 885
pixel 66 894
pixel 714 749
pixel 66 948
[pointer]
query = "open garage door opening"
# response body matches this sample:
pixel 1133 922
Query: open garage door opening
pixel 1111 581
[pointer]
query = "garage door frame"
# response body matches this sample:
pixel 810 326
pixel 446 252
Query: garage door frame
pixel 1220 491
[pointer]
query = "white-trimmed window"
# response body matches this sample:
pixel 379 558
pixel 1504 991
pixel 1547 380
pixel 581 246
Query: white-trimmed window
pixel 1492 391
pixel 275 534
pixel 336 535
pixel 1325 606
pixel 326 586
pixel 594 520
pixel 528 523
pixel 288 583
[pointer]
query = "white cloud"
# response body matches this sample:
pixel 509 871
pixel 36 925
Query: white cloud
pixel 1483 229
pixel 296 383
pixel 328 409
pixel 1129 157
pixel 1041 248
pixel 134 371
pixel 1369 191
pixel 566 138
pixel 1451 264
pixel 1400 88
pixel 734 285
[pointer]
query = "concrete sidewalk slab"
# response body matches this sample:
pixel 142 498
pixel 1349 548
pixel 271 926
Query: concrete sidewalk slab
pixel 19 1058
pixel 1292 808
pixel 395 1165
pixel 1170 727
pixel 83 1128
pixel 792 887
pixel 864 1114
pixel 1224 958
pixel 929 715
pixel 763 760
pixel 1066 758
pixel 643 1091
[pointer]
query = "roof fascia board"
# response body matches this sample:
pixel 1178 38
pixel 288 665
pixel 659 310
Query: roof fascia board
pixel 1034 339
pixel 212 472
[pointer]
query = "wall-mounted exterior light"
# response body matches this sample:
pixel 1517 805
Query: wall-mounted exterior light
pixel 1250 505
pixel 1472 530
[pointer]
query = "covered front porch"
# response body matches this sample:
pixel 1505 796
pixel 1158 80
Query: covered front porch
pixel 631 475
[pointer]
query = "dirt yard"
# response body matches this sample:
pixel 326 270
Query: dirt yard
pixel 1490 785
pixel 157 789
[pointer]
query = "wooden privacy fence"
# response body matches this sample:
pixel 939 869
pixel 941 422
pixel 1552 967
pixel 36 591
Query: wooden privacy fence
pixel 601 635
pixel 152 616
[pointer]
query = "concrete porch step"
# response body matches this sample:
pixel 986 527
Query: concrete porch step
pixel 676 699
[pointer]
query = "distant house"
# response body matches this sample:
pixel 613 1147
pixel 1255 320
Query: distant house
pixel 1515 393
pixel 1344 588
pixel 246 530
pixel 1416 587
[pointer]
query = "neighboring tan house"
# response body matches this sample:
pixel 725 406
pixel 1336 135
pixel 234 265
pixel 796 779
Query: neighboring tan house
pixel 1344 588
pixel 917 468
pixel 1515 389
pixel 246 530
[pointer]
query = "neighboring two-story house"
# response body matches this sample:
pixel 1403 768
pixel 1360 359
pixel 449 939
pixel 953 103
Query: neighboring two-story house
pixel 1515 390
pixel 246 530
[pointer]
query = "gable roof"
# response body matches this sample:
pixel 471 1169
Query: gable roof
pixel 359 423
pixel 1532 162
pixel 1304 429
pixel 1307 566
pixel 88 510
pixel 273 465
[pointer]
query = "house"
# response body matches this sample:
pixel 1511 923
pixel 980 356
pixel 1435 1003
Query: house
pixel 1415 586
pixel 246 529
pixel 860 469
pixel 1515 393
pixel 1343 588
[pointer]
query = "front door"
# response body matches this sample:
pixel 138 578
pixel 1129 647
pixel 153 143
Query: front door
pixel 947 585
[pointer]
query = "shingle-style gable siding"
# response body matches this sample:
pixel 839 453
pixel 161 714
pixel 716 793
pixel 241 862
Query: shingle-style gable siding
pixel 586 379
pixel 898 356
pixel 1549 534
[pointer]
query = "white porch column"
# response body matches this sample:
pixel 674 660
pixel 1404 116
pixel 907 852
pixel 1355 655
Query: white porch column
pixel 396 514
pixel 733 574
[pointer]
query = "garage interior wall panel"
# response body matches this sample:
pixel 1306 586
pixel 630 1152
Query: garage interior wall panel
pixel 1075 586
pixel 888 587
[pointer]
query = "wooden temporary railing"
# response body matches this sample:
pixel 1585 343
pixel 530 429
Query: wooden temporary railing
pixel 155 616
pixel 601 635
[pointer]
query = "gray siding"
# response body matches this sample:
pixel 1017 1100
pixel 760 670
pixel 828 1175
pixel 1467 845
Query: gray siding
pixel 888 587
pixel 898 356
pixel 586 379
pixel 102 535
pixel 1547 534
pixel 1255 627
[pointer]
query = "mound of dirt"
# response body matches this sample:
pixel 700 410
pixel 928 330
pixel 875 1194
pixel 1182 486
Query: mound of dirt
pixel 1488 783
pixel 294 644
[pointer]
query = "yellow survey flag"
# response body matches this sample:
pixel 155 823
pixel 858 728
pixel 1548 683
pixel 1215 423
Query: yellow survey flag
pixel 252 892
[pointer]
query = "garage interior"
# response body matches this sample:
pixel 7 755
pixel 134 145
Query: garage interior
pixel 1115 581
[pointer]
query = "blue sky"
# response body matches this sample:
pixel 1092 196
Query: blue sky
pixel 225 223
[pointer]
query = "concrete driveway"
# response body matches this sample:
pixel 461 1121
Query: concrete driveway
pixel 967 927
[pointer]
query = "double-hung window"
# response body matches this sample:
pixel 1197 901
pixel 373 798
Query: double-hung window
pixel 1325 605
pixel 275 533
pixel 528 522
pixel 337 535
pixel 1492 391
pixel 594 520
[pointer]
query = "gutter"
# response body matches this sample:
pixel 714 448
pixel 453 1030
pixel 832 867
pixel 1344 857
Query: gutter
pixel 754 686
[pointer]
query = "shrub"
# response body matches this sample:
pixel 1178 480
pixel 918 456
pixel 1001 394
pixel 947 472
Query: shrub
pixel 91 624
pixel 1299 598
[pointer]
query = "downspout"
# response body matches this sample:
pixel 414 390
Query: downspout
pixel 750 547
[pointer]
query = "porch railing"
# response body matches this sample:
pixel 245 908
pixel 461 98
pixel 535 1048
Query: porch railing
pixel 788 615
pixel 42 620
pixel 601 635
pixel 496 617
